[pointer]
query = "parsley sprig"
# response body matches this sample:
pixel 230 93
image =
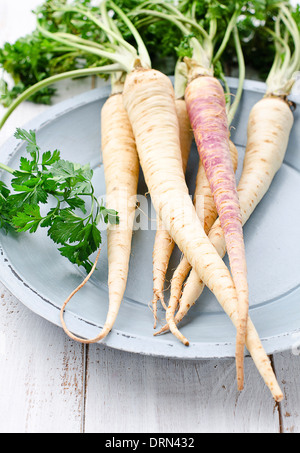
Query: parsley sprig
pixel 43 178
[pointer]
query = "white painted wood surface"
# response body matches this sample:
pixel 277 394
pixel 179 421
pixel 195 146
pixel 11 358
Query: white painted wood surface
pixel 49 384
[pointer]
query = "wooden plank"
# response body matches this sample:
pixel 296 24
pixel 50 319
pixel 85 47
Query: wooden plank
pixel 287 366
pixel 150 395
pixel 42 377
pixel 42 387
pixel 45 371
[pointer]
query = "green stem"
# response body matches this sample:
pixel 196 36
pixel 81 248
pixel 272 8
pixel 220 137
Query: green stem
pixel 226 38
pixel 281 77
pixel 177 20
pixel 145 22
pixel 79 40
pixel 113 56
pixel 196 26
pixel 165 16
pixel 174 10
pixel 7 169
pixel 93 18
pixel 286 51
pixel 279 39
pixel 91 216
pixel 142 50
pixel 292 27
pixel 73 54
pixel 177 13
pixel 213 29
pixel 117 82
pixel 242 76
pixel 199 53
pixel 108 22
pixel 275 67
pixel 194 11
pixel 44 83
pixel 180 79
pixel 227 92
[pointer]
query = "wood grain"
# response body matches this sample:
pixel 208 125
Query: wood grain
pixel 42 373
pixel 287 367
pixel 42 382
pixel 128 393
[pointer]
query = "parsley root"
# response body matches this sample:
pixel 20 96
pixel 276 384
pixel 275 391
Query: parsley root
pixel 160 158
pixel 270 124
pixel 121 168
pixel 207 213
pixel 269 128
pixel 207 111
pixel 164 245
pixel 156 133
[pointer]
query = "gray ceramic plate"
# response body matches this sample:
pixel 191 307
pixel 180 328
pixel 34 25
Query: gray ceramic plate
pixel 32 269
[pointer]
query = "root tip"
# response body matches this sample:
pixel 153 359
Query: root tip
pixel 279 398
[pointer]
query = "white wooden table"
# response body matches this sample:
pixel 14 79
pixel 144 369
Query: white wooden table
pixel 49 384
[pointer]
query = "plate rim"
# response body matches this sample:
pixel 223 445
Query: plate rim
pixel 117 339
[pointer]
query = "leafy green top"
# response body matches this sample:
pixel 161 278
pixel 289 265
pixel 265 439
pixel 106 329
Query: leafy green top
pixel 34 57
pixel 45 177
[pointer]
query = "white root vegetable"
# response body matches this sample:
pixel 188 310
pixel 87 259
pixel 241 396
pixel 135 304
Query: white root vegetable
pixel 207 213
pixel 121 169
pixel 150 102
pixel 164 244
pixel 270 125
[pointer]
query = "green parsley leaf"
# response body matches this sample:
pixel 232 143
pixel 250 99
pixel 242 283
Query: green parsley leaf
pixel 47 177
pixel 28 219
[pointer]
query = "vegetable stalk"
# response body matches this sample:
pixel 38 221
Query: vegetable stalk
pixel 208 111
